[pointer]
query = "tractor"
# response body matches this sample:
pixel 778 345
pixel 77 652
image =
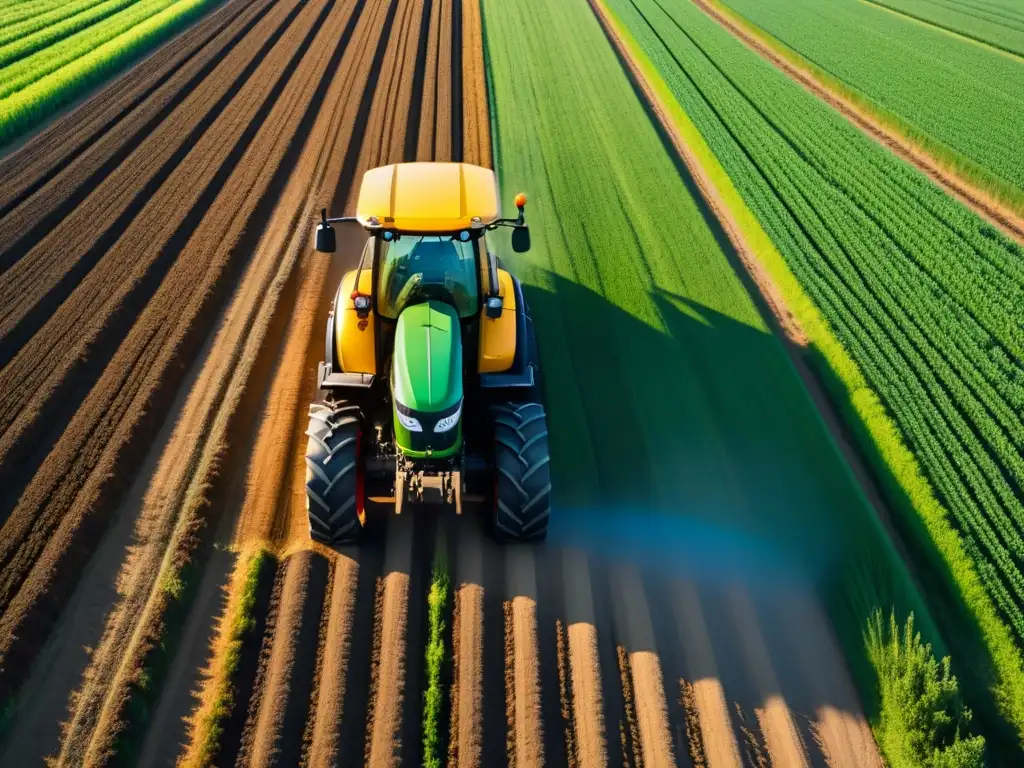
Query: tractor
pixel 429 391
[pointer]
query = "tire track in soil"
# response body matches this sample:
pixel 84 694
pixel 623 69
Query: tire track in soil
pixel 550 662
pixel 494 738
pixel 84 457
pixel 588 723
pixel 291 109
pixel 635 637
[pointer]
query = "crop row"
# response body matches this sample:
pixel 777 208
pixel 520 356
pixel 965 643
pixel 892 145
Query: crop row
pixel 918 290
pixel 34 87
pixel 996 27
pixel 20 40
pixel 28 70
pixel 959 99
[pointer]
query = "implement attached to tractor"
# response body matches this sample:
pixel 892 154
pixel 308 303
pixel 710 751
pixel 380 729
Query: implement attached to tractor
pixel 429 389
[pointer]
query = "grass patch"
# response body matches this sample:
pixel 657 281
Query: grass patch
pixel 42 90
pixel 924 722
pixel 240 628
pixel 434 698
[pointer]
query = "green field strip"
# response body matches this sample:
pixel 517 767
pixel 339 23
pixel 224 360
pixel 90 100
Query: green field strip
pixel 21 40
pixel 26 71
pixel 667 396
pixel 895 269
pixel 1002 33
pixel 33 104
pixel 960 101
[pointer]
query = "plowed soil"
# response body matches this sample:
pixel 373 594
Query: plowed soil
pixel 161 317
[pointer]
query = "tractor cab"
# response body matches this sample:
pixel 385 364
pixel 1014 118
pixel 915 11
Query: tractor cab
pixel 427 329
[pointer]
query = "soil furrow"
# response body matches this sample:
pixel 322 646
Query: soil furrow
pixel 286 695
pixel 636 635
pixel 391 646
pixel 467 650
pixel 521 595
pixel 259 183
pixel 443 95
pixel 718 738
pixel 469 94
pixel 584 663
pixel 785 747
pixel 426 71
pixel 329 705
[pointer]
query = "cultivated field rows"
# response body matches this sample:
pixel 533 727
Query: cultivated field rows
pixel 558 657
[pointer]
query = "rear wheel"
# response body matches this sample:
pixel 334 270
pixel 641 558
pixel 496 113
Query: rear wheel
pixel 334 474
pixel 522 502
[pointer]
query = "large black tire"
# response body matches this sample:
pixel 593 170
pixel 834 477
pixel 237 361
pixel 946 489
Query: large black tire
pixel 333 473
pixel 522 502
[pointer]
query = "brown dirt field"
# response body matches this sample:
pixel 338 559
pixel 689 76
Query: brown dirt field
pixel 1010 222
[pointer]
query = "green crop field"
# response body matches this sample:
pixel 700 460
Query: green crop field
pixel 673 398
pixel 959 99
pixel 923 295
pixel 1000 27
pixel 52 56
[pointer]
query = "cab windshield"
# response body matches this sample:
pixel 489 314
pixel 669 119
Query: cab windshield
pixel 417 268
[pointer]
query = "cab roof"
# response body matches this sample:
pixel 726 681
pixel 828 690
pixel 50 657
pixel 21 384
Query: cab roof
pixel 428 197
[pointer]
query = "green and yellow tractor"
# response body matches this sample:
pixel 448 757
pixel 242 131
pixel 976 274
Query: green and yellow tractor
pixel 429 390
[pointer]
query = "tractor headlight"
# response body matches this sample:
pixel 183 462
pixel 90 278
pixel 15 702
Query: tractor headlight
pixel 409 422
pixel 448 422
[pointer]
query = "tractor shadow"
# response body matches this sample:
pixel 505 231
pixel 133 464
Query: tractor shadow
pixel 695 486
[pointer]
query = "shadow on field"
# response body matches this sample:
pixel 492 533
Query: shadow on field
pixel 697 435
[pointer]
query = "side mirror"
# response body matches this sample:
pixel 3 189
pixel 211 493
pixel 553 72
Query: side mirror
pixel 325 241
pixel 493 307
pixel 521 239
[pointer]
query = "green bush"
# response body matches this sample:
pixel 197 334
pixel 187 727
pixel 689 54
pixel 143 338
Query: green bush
pixel 923 722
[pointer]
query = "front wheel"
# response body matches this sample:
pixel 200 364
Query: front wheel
pixel 334 487
pixel 522 503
